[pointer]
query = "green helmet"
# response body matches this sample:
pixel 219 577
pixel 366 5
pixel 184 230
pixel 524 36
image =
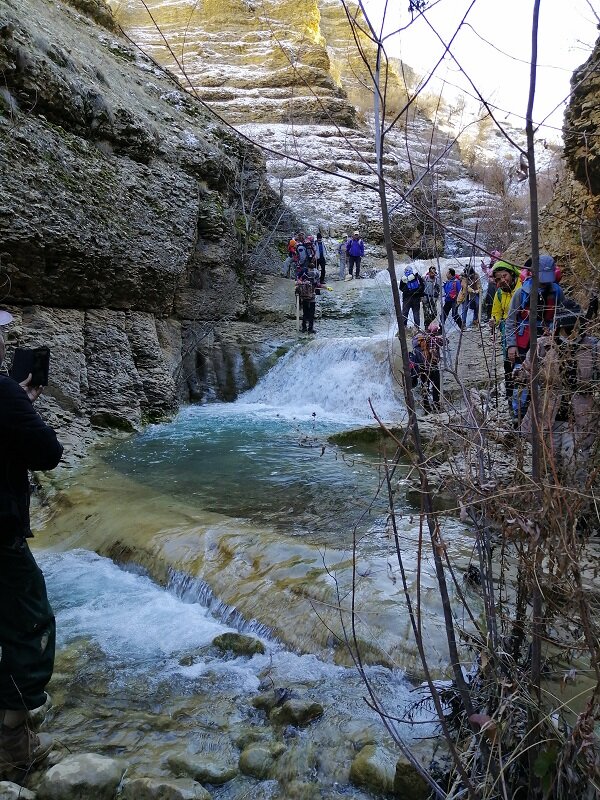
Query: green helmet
pixel 508 267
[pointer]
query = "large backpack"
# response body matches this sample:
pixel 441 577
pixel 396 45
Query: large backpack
pixel 413 284
pixel 306 290
pixel 454 290
pixel 549 304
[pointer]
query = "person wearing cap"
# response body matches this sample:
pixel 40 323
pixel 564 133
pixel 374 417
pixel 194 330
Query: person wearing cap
pixel 507 282
pixel 355 249
pixel 321 255
pixel 27 628
pixel 550 298
pixel 569 377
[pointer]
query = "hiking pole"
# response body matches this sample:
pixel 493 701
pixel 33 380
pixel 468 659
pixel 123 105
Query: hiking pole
pixel 495 365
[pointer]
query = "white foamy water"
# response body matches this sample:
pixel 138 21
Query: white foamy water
pixel 334 378
pixel 144 630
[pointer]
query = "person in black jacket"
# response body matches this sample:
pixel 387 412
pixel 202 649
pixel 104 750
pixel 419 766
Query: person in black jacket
pixel 27 627
pixel 412 288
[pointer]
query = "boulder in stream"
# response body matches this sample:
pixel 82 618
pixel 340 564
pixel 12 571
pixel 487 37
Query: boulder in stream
pixel 80 776
pixel 239 643
pixel 374 769
pixel 296 712
pixel 12 791
pixel 202 767
pixel 408 783
pixel 258 760
pixel 163 789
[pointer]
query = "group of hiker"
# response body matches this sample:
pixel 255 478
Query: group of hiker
pixel 568 355
pixel 306 262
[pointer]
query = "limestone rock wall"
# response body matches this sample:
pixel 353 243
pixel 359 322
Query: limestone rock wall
pixel 571 222
pixel 121 224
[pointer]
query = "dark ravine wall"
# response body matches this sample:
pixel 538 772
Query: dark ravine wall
pixel 119 220
pixel 570 225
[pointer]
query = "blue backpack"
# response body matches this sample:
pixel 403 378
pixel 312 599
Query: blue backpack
pixel 414 283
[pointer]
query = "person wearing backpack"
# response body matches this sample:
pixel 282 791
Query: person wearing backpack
pixel 507 282
pixel 301 260
pixel 452 288
pixel 311 253
pixel 425 365
pixel 569 374
pixel 355 248
pixel 412 288
pixel 431 292
pixel 471 289
pixel 307 288
pixel 550 297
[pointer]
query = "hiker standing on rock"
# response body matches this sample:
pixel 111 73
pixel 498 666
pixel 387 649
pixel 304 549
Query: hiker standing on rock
pixel 452 287
pixel 27 627
pixel 355 248
pixel 507 282
pixel 307 288
pixel 412 288
pixel 430 296
pixel 569 376
pixel 343 255
pixel 321 254
pixel 471 290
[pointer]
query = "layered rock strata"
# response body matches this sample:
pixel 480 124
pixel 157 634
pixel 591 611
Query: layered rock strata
pixel 124 222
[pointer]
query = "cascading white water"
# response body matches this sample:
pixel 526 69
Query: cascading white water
pixel 334 378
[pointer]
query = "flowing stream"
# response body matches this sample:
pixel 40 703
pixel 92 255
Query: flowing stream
pixel 243 516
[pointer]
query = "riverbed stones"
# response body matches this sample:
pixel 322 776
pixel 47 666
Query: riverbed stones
pixel 12 791
pixel 163 789
pixel 81 776
pixel 258 760
pixel 239 643
pixel 374 769
pixel 267 701
pixel 202 767
pixel 408 784
pixel 299 713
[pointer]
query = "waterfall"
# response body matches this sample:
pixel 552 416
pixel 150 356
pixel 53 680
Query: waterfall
pixel 334 378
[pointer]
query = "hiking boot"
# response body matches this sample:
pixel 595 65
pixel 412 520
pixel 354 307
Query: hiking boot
pixel 311 330
pixel 21 748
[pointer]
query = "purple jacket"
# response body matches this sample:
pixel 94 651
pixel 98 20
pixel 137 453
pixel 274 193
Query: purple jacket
pixel 355 247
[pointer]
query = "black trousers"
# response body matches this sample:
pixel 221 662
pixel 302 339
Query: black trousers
pixel 451 307
pixel 308 314
pixel 429 309
pixel 354 261
pixel 412 304
pixel 27 630
pixel 321 262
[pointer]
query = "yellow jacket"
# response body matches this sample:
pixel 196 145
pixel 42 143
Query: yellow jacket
pixel 501 303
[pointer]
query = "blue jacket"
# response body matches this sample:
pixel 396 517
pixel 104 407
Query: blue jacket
pixel 356 248
pixel 448 285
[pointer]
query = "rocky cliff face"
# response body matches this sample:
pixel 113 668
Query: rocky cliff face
pixel 290 76
pixel 122 229
pixel 570 223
